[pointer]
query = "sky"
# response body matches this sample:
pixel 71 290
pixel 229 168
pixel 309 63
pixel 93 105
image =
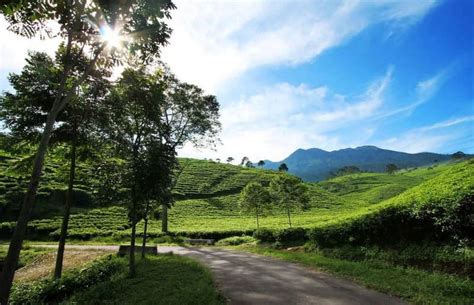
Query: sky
pixel 327 74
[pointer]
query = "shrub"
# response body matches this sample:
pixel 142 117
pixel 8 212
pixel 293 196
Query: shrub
pixel 264 235
pixel 235 241
pixel 48 290
pixel 282 236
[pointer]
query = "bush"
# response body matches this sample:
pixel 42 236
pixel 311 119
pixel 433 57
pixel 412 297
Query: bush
pixel 264 235
pixel 281 236
pixel 48 290
pixel 235 241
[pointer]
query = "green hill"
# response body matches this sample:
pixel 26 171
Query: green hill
pixel 207 195
pixel 441 208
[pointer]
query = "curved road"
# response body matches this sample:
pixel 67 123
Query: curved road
pixel 246 278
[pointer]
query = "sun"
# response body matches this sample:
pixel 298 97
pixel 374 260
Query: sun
pixel 111 36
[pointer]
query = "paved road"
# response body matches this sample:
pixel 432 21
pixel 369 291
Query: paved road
pixel 252 279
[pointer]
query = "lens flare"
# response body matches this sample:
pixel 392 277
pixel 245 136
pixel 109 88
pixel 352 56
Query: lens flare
pixel 111 36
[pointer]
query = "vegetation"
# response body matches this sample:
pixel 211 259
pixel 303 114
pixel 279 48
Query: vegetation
pixel 49 290
pixel 166 279
pixel 415 286
pixel 254 198
pixel 28 255
pixel 82 40
pixel 289 193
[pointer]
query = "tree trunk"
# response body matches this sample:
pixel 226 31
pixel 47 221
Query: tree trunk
pixel 131 264
pixel 289 217
pixel 257 217
pixel 67 211
pixel 145 229
pixel 164 218
pixel 16 242
pixel 132 271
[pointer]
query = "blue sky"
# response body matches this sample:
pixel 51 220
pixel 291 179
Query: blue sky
pixel 326 74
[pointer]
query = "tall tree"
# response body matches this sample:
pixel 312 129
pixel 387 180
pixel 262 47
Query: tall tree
pixel 189 116
pixel 244 161
pixel 135 111
pixel 254 198
pixel 24 113
pixel 230 159
pixel 391 168
pixel 157 165
pixel 458 155
pixel 82 24
pixel 283 167
pixel 261 163
pixel 290 193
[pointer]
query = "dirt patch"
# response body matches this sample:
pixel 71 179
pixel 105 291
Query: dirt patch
pixel 44 265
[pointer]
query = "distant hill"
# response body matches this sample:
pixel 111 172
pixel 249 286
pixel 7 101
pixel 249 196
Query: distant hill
pixel 316 164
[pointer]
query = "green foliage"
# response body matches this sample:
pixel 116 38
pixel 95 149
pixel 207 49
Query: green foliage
pixel 27 255
pixel 235 241
pixel 429 257
pixel 166 279
pixel 254 198
pixel 48 290
pixel 283 167
pixel 439 209
pixel 391 168
pixel 216 179
pixel 289 193
pixel 282 236
pixel 346 170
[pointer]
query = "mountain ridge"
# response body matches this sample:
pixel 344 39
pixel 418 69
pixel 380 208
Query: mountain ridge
pixel 315 164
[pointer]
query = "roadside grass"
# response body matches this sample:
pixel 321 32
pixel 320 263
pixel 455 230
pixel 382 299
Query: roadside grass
pixel 163 279
pixel 415 286
pixel 27 255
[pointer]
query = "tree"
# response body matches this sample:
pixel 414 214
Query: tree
pixel 249 164
pixel 218 160
pixel 391 168
pixel 135 111
pixel 188 116
pixel 458 155
pixel 254 198
pixel 24 114
pixel 261 163
pixel 156 180
pixel 346 170
pixel 230 159
pixel 289 193
pixel 283 167
pixel 244 161
pixel 143 32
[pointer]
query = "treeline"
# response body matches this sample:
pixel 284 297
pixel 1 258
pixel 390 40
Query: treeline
pixel 131 127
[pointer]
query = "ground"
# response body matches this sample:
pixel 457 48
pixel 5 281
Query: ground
pixel 246 278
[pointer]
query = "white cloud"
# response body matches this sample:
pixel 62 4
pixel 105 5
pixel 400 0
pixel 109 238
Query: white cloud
pixel 14 49
pixel 281 118
pixel 214 42
pixel 369 103
pixel 424 91
pixel 431 137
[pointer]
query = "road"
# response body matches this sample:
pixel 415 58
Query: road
pixel 246 278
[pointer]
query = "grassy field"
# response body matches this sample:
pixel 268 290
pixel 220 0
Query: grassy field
pixel 208 193
pixel 167 279
pixel 415 286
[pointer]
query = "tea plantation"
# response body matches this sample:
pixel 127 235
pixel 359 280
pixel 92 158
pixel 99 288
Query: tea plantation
pixel 207 199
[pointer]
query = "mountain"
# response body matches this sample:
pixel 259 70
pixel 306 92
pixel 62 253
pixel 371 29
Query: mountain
pixel 316 164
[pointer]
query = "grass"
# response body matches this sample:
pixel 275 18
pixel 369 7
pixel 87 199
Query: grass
pixel 27 255
pixel 416 286
pixel 208 194
pixel 163 279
